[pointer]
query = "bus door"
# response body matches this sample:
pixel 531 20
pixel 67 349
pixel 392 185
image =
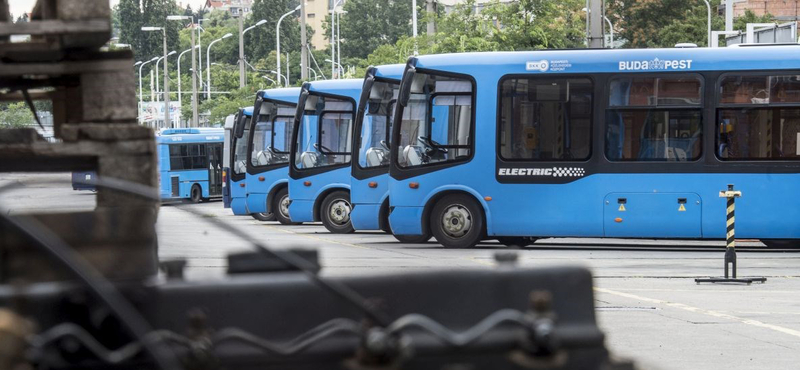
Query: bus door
pixel 214 159
pixel 654 120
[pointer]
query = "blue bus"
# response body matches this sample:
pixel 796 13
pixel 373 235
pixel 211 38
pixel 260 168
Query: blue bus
pixel 319 164
pixel 369 185
pixel 227 144
pixel 236 176
pixel 516 146
pixel 269 143
pixel 190 163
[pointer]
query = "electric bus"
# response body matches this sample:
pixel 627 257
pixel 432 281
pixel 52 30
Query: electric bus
pixel 369 185
pixel 269 143
pixel 238 164
pixel 319 164
pixel 230 120
pixel 190 163
pixel 516 146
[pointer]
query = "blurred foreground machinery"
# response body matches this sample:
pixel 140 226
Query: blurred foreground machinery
pixel 81 291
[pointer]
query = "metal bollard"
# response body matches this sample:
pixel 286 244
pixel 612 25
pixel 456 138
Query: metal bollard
pixel 730 238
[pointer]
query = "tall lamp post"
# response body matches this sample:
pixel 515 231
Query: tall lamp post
pixel 141 99
pixel 166 73
pixel 194 60
pixel 333 38
pixel 708 23
pixel 414 25
pixel 610 30
pixel 339 35
pixel 278 38
pixel 336 65
pixel 165 67
pixel 208 63
pixel 194 81
pixel 242 80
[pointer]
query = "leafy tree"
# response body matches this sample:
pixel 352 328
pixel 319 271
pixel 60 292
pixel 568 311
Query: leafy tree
pixel 13 115
pixel 537 24
pixel 132 17
pixel 261 40
pixel 371 23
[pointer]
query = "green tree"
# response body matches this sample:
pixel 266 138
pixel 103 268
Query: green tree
pixel 371 23
pixel 261 40
pixel 537 24
pixel 13 115
pixel 132 15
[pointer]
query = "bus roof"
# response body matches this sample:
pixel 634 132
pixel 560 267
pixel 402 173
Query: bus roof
pixel 193 135
pixel 248 111
pixel 286 94
pixel 348 87
pixel 614 60
pixel 393 71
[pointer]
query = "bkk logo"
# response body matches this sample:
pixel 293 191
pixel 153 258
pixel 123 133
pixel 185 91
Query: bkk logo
pixel 655 65
pixel 542 66
pixel 552 172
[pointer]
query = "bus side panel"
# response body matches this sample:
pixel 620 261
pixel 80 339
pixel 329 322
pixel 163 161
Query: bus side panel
pixel 259 189
pixel 367 201
pixel 304 197
pixel 239 198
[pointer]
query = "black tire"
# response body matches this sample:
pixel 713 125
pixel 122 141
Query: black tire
pixel 280 207
pixel 464 217
pixel 413 239
pixel 196 194
pixel 781 243
pixel 263 216
pixel 516 241
pixel 385 226
pixel 335 212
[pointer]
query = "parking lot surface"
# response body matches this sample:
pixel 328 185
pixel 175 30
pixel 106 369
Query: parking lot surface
pixel 646 298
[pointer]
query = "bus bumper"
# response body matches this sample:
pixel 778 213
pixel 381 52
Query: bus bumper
pixel 365 216
pixel 406 220
pixel 301 210
pixel 239 206
pixel 257 203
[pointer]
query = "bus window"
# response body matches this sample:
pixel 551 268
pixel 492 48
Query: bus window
pixel 375 129
pixel 282 136
pixel 759 118
pixel 545 119
pixel 654 119
pixel 187 157
pixel 240 150
pixel 262 134
pixel 325 134
pixel 437 121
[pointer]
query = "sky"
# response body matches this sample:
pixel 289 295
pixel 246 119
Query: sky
pixel 17 7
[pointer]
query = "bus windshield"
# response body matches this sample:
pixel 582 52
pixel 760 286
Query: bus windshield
pixel 437 121
pixel 377 125
pixel 325 133
pixel 271 137
pixel 240 150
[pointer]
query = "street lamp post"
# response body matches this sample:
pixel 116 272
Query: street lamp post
pixel 278 37
pixel 610 30
pixel 316 77
pixel 199 70
pixel 242 80
pixel 414 24
pixel 208 63
pixel 279 75
pixel 166 73
pixel 269 79
pixel 339 35
pixel 336 65
pixel 708 23
pixel 333 38
pixel 141 99
pixel 194 60
pixel 158 84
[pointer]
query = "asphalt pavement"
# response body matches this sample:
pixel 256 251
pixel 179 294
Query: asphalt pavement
pixel 646 298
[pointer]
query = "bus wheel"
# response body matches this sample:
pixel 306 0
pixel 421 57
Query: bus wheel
pixel 263 216
pixel 336 212
pixel 516 241
pixel 196 194
pixel 413 239
pixel 457 221
pixel 781 243
pixel 280 207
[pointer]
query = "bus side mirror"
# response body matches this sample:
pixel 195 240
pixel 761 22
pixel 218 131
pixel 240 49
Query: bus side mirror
pixel 238 130
pixel 405 89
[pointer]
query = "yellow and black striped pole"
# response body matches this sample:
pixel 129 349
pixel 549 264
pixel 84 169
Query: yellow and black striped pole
pixel 730 250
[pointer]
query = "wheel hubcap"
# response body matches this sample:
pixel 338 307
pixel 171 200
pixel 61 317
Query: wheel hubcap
pixel 340 211
pixel 456 221
pixel 284 206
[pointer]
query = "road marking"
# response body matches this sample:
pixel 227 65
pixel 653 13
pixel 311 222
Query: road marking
pixel 701 311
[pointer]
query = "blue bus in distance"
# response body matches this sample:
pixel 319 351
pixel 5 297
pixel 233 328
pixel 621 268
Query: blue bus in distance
pixel 190 163
pixel 617 143
pixel 319 165
pixel 369 185
pixel 269 144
